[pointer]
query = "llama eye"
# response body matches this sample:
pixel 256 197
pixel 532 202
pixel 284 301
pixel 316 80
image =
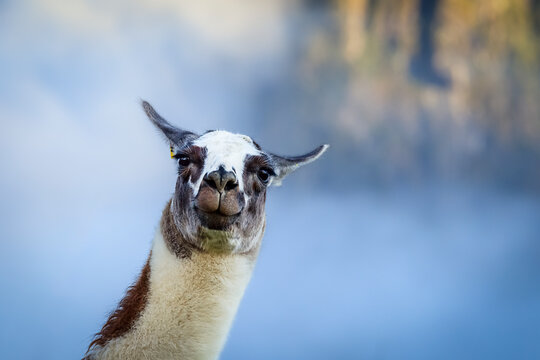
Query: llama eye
pixel 264 175
pixel 184 160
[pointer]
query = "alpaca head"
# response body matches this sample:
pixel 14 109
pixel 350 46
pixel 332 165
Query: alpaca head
pixel 220 194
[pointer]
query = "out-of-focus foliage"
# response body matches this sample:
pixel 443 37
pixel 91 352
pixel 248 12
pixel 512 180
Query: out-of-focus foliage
pixel 468 112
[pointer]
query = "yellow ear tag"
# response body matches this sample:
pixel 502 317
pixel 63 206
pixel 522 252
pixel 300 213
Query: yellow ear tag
pixel 172 153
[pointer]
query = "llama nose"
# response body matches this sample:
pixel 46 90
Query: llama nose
pixel 221 180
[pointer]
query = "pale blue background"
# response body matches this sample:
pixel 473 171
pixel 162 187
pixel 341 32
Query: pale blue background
pixel 435 270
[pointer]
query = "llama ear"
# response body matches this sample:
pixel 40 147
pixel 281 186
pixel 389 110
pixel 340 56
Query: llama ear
pixel 284 165
pixel 177 137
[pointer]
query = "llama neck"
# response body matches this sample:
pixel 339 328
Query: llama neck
pixel 190 306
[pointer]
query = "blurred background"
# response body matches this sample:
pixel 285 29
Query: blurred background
pixel 417 236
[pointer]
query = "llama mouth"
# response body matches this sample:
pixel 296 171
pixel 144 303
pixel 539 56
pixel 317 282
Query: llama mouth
pixel 216 220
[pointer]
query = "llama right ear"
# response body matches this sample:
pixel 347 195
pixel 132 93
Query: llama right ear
pixel 284 165
pixel 178 138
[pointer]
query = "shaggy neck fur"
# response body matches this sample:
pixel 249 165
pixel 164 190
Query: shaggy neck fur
pixel 181 307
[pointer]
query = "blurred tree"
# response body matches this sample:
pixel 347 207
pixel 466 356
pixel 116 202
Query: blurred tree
pixel 535 15
pixel 356 77
pixel 422 67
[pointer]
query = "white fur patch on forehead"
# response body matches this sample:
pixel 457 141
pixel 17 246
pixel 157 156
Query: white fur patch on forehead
pixel 225 149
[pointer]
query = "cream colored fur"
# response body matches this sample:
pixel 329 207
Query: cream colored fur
pixel 191 306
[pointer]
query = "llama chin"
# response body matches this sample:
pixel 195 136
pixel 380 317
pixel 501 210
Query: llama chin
pixel 203 254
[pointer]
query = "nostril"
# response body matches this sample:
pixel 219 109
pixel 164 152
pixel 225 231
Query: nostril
pixel 230 185
pixel 213 180
pixel 211 183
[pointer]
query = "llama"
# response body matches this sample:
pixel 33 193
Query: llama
pixel 203 253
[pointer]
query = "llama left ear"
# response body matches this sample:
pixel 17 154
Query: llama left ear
pixel 177 137
pixel 284 165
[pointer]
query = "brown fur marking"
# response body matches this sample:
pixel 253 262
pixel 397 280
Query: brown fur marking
pixel 193 171
pixel 128 311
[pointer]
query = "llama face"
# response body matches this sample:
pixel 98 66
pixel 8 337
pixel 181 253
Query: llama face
pixel 220 193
